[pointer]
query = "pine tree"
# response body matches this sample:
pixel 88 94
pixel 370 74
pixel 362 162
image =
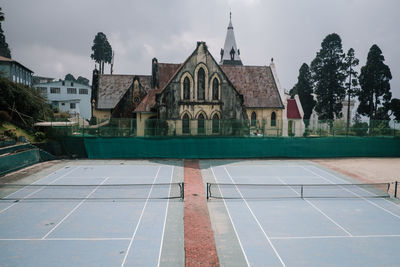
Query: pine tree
pixel 327 70
pixel 395 108
pixel 4 50
pixel 351 74
pixel 102 50
pixel 375 95
pixel 304 88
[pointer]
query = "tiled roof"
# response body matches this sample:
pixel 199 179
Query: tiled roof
pixel 113 87
pixel 148 101
pixel 256 84
pixel 166 71
pixel 292 109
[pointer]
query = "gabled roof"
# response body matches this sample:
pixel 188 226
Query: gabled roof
pixel 292 109
pixel 148 101
pixel 256 84
pixel 111 89
pixel 165 72
pixel 6 59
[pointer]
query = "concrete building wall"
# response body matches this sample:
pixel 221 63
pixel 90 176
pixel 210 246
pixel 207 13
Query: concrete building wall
pixel 65 92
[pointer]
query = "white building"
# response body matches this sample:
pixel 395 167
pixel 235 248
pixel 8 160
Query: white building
pixel 68 96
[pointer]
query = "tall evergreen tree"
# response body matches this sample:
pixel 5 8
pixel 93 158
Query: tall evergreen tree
pixel 304 88
pixel 395 108
pixel 351 74
pixel 328 74
pixel 102 50
pixel 375 95
pixel 4 50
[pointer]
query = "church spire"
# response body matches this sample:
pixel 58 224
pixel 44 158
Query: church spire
pixel 230 55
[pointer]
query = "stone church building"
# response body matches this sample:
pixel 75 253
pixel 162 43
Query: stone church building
pixel 200 96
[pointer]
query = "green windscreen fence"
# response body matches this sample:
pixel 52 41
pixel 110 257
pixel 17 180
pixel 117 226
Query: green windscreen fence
pixel 237 147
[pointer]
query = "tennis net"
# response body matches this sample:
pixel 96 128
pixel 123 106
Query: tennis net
pixel 22 192
pixel 264 191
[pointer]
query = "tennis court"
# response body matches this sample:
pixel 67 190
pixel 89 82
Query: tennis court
pixel 319 223
pixel 95 213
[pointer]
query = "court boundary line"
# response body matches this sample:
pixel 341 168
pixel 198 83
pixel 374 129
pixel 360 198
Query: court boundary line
pixel 165 219
pixel 140 219
pixel 38 190
pixel 75 208
pixel 363 198
pixel 257 221
pixel 332 237
pixel 67 239
pixel 318 209
pixel 230 218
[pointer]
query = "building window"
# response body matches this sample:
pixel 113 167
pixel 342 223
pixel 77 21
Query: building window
pixel 42 90
pixel 185 124
pixel 186 89
pixel 55 90
pixel 71 90
pixel 215 89
pixel 72 105
pixel 273 119
pixel 215 124
pixel 83 91
pixel 72 83
pixel 63 83
pixel 62 104
pixel 200 125
pixel 201 84
pixel 253 119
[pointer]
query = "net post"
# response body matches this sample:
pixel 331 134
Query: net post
pixel 302 196
pixel 182 190
pixel 395 189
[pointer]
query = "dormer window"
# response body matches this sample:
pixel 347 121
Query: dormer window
pixel 232 53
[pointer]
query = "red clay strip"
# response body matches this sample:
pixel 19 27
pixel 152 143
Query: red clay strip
pixel 199 239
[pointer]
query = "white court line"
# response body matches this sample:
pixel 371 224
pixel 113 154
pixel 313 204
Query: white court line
pixel 36 191
pixel 255 218
pixel 67 239
pixel 369 201
pixel 230 218
pixel 165 219
pixel 315 207
pixel 331 237
pixel 140 218
pixel 75 208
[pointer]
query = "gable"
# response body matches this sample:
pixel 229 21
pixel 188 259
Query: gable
pixel 112 88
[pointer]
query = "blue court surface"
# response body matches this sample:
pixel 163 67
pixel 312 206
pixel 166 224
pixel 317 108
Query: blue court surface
pixel 347 228
pixel 95 225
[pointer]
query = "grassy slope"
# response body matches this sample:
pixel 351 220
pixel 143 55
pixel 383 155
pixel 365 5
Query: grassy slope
pixel 19 132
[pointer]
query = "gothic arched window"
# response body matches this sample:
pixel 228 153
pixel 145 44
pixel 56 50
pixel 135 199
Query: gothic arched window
pixel 253 119
pixel 200 124
pixel 201 84
pixel 273 119
pixel 185 124
pixel 215 124
pixel 215 89
pixel 186 89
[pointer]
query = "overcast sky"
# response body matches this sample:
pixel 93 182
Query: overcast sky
pixel 54 37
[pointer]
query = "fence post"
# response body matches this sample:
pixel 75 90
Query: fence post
pixel 302 196
pixel 395 189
